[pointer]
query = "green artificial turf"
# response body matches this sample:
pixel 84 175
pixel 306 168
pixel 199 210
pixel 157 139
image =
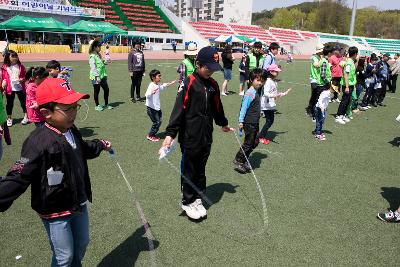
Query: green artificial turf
pixel 322 197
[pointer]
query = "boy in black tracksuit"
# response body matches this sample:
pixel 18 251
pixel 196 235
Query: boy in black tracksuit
pixel 197 104
pixel 54 162
pixel 249 120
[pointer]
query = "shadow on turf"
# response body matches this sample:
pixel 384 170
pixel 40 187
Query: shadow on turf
pixel 395 142
pixel 127 253
pixel 116 104
pixel 256 158
pixel 87 131
pixel 392 195
pixel 272 134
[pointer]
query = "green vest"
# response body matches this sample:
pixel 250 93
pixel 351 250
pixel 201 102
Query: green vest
pixel 328 72
pixel 101 68
pixel 253 61
pixel 315 73
pixel 188 66
pixel 352 73
pixel 3 116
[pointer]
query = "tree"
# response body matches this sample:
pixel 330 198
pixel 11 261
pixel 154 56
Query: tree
pixel 283 19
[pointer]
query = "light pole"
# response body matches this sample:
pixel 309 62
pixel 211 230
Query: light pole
pixel 353 17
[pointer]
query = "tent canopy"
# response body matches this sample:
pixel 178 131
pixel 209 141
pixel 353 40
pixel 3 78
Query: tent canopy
pixel 232 39
pixel 96 27
pixel 34 24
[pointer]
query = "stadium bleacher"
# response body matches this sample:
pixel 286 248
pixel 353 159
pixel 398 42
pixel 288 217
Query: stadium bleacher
pixel 139 15
pixel 384 45
pixel 253 31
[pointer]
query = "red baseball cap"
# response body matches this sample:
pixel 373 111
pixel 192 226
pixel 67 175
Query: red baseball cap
pixel 59 91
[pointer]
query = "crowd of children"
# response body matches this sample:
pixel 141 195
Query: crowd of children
pixel 60 158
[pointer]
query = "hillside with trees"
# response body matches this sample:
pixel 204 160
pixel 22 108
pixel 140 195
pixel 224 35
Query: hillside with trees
pixel 318 17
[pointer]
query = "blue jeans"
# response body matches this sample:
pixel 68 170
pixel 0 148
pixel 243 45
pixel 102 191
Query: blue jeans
pixel 269 120
pixel 69 237
pixel 319 120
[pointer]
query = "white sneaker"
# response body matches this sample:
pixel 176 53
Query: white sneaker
pixel 363 108
pixel 25 120
pixel 345 119
pixel 223 94
pixel 241 93
pixel 340 120
pixel 368 107
pixel 191 211
pixel 200 208
pixel 337 100
pixel 9 122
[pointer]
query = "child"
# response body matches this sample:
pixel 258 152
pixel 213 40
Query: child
pixel 136 68
pixel 98 75
pixel 242 75
pixel 187 67
pixel 55 70
pixel 315 75
pixel 107 56
pixel 197 104
pixel 268 97
pixel 153 103
pixel 3 119
pixel 348 82
pixel 320 111
pixel 35 77
pixel 13 83
pixel 360 74
pixel 370 81
pixel 249 118
pixel 54 161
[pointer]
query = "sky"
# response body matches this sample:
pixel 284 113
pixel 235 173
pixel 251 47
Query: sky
pixel 259 5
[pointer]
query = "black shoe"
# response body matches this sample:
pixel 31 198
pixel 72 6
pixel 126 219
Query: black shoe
pixel 374 105
pixel 381 105
pixel 247 167
pixel 239 167
pixel 133 100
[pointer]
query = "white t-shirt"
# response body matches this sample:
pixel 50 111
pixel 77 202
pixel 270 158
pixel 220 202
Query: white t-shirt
pixel 153 100
pixel 13 72
pixel 270 92
pixel 323 100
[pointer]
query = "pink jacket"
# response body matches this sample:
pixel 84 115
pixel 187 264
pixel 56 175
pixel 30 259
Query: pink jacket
pixel 34 114
pixel 336 70
pixel 5 76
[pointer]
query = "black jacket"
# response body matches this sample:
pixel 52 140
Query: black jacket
pixel 136 62
pixel 47 148
pixel 197 104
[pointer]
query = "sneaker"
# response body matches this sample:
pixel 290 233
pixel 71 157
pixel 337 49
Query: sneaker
pixel 239 167
pixel 223 94
pixel 25 120
pixel 320 137
pixel 364 108
pixel 99 108
pixel 350 117
pixel 247 166
pixel 9 122
pixel 390 216
pixel 337 100
pixel 263 141
pixel 313 119
pixel 133 100
pixel 137 99
pixel 152 138
pixel 330 100
pixel 345 119
pixel 191 211
pixel 368 107
pixel 241 93
pixel 381 104
pixel 200 208
pixel 109 107
pixel 340 120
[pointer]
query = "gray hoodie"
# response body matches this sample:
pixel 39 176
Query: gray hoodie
pixel 136 61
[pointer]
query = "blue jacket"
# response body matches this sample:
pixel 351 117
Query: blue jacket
pixel 250 109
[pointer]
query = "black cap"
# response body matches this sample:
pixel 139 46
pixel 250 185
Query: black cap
pixel 209 56
pixel 257 45
pixel 136 41
pixel 386 55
